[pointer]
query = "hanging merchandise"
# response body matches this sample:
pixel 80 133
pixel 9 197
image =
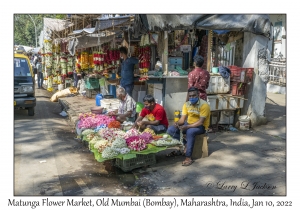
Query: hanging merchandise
pixel 63 64
pixel 84 61
pixel 48 60
pixel 54 80
pixel 91 61
pixel 49 87
pixel 78 62
pixel 58 79
pixel 48 46
pixel 70 64
pixel 144 55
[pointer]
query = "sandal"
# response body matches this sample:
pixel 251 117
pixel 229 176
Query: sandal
pixel 187 162
pixel 174 153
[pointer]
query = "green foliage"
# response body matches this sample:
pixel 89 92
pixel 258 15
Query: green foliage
pixel 24 30
pixel 132 154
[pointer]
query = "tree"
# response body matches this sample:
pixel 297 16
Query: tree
pixel 24 31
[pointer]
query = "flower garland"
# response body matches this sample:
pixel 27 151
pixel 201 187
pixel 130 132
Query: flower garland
pixel 136 143
pixel 147 137
pixel 131 132
pixel 93 120
pixel 114 124
pixel 49 87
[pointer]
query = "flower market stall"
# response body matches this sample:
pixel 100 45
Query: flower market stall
pixel 131 149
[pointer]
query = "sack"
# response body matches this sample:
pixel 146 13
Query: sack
pixel 60 94
pixel 34 70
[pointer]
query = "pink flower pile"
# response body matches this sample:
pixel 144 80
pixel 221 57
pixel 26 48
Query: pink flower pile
pixel 131 132
pixel 111 134
pixel 94 120
pixel 136 143
pixel 147 137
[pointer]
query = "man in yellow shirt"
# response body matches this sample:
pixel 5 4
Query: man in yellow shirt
pixel 194 121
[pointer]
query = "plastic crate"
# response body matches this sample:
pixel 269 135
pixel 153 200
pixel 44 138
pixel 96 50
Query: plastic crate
pixel 237 88
pixel 139 161
pixel 91 83
pixel 218 84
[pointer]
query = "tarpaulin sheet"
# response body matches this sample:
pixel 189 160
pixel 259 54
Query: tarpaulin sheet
pixel 256 23
pixel 56 24
pixel 104 23
pixel 87 41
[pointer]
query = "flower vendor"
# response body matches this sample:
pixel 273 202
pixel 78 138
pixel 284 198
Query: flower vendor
pixel 194 121
pixel 127 70
pixel 152 116
pixel 127 106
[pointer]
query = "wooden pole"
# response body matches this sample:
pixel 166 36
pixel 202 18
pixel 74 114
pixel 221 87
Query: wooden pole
pixel 165 54
pixel 209 45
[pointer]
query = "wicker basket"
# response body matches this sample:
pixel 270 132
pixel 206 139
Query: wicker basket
pixel 139 161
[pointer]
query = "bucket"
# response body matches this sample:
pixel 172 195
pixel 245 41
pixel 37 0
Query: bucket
pixel 98 98
pixel 139 107
pixel 60 87
pixel 215 70
pixel 112 90
pixel 244 122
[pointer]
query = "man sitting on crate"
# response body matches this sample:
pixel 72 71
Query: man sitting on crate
pixel 194 121
pixel 127 106
pixel 152 116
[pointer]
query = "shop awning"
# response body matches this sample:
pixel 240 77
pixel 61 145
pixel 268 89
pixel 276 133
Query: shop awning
pixel 105 23
pixel 90 41
pixel 56 24
pixel 257 23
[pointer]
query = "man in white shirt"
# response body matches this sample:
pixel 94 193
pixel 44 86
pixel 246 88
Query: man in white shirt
pixel 127 106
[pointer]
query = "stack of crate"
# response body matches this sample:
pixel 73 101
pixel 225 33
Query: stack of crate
pixel 239 78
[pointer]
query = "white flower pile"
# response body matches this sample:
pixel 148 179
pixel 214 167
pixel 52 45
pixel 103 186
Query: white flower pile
pixel 119 143
pixel 101 145
pixel 87 131
pixel 108 152
pixel 123 151
pixel 111 133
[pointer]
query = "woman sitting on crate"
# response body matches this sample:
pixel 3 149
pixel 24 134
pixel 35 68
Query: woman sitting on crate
pixel 127 106
pixel 152 116
pixel 194 121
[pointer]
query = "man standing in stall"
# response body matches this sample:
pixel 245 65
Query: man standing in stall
pixel 199 78
pixel 127 70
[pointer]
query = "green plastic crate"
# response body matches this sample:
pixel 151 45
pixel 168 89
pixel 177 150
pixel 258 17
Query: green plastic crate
pixel 139 161
pixel 91 83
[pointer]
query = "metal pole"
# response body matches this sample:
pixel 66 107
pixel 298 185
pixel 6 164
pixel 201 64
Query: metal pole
pixel 34 30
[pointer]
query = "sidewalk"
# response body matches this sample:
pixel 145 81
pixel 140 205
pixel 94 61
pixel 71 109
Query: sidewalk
pixel 239 163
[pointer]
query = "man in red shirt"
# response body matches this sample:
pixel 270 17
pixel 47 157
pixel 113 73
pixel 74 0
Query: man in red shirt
pixel 199 78
pixel 155 115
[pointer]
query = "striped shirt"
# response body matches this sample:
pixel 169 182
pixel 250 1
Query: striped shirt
pixel 128 104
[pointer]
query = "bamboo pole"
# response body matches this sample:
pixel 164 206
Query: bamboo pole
pixel 165 54
pixel 209 45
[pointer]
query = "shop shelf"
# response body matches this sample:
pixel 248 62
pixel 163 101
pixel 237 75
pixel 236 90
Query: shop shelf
pixel 139 161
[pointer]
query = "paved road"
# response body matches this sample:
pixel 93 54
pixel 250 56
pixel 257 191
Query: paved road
pixel 48 161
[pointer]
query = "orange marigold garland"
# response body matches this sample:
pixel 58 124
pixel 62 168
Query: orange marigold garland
pixel 114 124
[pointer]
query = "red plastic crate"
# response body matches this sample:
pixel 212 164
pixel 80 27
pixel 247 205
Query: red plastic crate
pixel 238 88
pixel 239 74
